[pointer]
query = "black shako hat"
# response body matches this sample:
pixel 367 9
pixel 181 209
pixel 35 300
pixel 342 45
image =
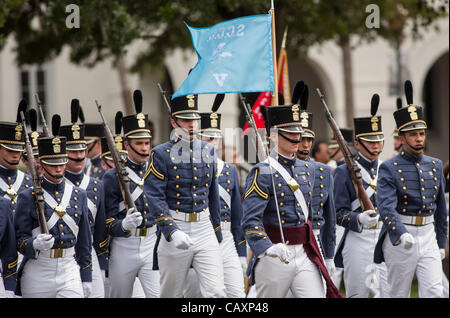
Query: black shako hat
pixel 74 133
pixel 210 122
pixel 185 107
pixel 136 126
pixel 410 117
pixel 52 150
pixel 106 153
pixel 12 136
pixel 369 128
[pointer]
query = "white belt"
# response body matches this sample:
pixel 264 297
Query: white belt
pixel 58 252
pixel 189 217
pixel 316 232
pixel 416 220
pixel 376 226
pixel 225 226
pixel 144 231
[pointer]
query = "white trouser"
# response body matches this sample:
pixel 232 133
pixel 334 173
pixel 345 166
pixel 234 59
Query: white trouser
pixel 232 270
pixel 274 278
pixel 46 277
pixel 98 285
pixel 204 256
pixel 337 275
pixel 130 257
pixel 362 276
pixel 423 259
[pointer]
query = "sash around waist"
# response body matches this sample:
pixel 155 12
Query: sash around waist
pixel 298 234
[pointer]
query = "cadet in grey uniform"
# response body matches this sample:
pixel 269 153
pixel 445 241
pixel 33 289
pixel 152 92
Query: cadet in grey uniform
pixel 234 250
pixel 58 264
pixel 412 207
pixel 183 188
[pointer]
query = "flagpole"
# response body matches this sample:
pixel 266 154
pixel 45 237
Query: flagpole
pixel 274 56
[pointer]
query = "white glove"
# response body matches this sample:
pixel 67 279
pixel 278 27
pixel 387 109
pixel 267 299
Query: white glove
pixel 43 242
pixel 10 294
pixel 366 218
pixel 442 251
pixel 132 221
pixel 279 250
pixel 329 263
pixel 407 241
pixel 87 289
pixel 181 240
pixel 243 261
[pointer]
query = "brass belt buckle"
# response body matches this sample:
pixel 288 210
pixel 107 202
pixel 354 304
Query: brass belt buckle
pixel 57 253
pixel 141 184
pixel 293 185
pixel 192 217
pixel 419 220
pixel 142 231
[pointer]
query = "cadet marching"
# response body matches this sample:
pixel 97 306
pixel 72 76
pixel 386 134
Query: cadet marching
pixel 190 231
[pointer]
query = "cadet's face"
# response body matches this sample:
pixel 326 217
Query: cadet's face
pixel 9 159
pixel 75 165
pixel 285 147
pixel 374 147
pixel 54 173
pixel 323 154
pixel 305 145
pixel 415 138
pixel 187 125
pixel 140 145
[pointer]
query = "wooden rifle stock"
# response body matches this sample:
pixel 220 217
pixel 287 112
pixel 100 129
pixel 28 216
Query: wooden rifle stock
pixel 121 171
pixel 354 170
pixel 37 188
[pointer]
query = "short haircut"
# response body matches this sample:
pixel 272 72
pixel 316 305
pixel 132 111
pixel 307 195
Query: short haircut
pixel 316 147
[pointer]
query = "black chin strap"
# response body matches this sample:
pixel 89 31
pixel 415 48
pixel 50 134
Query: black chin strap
pixel 106 163
pixel 183 129
pixel 137 152
pixel 12 163
pixel 335 153
pixel 289 139
pixel 52 175
pixel 415 148
pixel 303 153
pixel 368 151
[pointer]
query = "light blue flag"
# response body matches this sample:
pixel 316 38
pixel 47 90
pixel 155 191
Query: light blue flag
pixel 233 56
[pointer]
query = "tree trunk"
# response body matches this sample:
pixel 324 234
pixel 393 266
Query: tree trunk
pixel 126 92
pixel 348 79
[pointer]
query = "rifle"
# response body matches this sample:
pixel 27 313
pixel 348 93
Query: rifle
pixel 37 188
pixel 122 174
pixel 163 94
pixel 354 170
pixel 45 132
